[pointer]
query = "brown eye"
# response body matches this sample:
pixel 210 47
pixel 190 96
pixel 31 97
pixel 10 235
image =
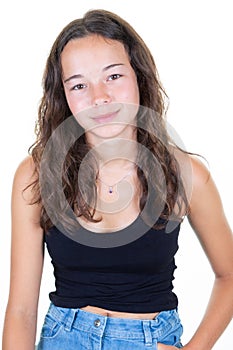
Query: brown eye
pixel 114 76
pixel 78 87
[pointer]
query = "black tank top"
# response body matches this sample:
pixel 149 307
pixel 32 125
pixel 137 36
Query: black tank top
pixel 135 277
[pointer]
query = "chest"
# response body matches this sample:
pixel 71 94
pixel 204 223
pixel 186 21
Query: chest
pixel 152 252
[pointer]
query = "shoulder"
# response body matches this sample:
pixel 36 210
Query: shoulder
pixel 24 176
pixel 194 169
pixel 204 197
pixel 195 175
pixel 200 172
pixel 25 168
pixel 25 171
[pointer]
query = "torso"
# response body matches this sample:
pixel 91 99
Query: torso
pixel 113 222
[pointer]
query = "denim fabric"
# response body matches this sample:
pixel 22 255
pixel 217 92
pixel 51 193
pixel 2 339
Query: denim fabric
pixel 69 329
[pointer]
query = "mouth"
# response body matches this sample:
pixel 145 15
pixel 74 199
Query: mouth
pixel 105 118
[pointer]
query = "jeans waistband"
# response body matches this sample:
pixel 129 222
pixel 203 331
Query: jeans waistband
pixel 124 327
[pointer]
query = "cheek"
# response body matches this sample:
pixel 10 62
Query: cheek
pixel 75 103
pixel 130 93
pixel 136 93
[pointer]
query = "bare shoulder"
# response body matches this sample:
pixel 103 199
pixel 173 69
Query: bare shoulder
pixel 25 170
pixel 23 194
pixel 25 175
pixel 204 201
pixel 25 206
pixel 200 171
pixel 193 168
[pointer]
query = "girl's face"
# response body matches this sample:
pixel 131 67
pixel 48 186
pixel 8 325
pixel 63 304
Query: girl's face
pixel 100 87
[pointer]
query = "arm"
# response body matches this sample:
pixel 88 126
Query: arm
pixel 26 265
pixel 208 221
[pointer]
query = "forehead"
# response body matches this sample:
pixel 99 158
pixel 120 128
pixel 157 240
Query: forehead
pixel 91 50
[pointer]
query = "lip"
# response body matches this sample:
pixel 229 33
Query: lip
pixel 105 118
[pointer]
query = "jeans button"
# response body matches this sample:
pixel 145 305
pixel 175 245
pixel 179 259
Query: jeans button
pixel 97 323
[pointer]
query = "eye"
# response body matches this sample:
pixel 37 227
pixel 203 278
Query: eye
pixel 114 76
pixel 79 87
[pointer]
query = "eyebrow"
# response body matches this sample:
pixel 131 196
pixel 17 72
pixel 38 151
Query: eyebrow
pixel 77 76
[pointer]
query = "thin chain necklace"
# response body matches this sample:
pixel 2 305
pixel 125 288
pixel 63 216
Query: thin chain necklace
pixel 110 187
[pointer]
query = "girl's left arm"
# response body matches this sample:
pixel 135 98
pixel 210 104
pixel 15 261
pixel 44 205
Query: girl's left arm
pixel 208 220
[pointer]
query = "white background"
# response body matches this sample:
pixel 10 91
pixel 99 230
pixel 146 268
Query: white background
pixel 192 45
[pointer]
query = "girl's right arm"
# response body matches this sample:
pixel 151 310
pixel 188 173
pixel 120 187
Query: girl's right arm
pixel 26 264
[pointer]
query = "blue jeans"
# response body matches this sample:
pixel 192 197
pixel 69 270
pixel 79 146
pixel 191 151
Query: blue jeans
pixel 75 329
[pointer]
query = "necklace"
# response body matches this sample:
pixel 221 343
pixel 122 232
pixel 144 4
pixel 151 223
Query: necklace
pixel 110 187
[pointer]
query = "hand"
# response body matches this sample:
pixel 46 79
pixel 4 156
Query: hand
pixel 166 347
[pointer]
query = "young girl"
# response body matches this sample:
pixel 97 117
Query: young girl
pixel 106 190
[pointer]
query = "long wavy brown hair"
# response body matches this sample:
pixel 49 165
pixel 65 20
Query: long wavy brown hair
pixel 54 110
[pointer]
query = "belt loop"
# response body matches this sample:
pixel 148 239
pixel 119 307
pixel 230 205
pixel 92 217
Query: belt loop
pixel 147 332
pixel 69 319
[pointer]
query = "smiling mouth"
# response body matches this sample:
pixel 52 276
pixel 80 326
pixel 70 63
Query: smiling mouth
pixel 106 118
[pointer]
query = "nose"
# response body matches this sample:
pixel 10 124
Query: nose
pixel 100 95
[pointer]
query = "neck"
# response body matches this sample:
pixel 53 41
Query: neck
pixel 116 154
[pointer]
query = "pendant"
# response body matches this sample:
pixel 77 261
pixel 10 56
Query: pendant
pixel 110 190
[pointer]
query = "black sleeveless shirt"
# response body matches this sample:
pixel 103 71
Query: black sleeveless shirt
pixel 135 277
